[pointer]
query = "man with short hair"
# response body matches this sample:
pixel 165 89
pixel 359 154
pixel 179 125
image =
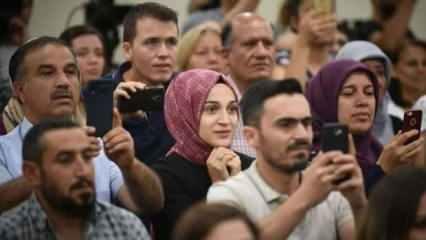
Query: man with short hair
pixel 249 47
pixel 45 77
pixel 287 203
pixel 58 166
pixel 149 44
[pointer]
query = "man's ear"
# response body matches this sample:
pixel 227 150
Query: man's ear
pixel 18 90
pixel 127 51
pixel 252 136
pixel 31 172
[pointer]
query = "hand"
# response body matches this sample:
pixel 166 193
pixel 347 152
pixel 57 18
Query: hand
pixel 317 28
pixel 122 91
pixel 395 153
pixel 119 145
pixel 222 163
pixel 318 178
pixel 353 185
pixel 95 146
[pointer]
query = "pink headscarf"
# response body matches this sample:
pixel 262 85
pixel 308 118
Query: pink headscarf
pixel 183 105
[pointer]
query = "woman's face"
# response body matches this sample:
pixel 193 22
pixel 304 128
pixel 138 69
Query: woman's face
pixel 208 53
pixel 219 116
pixel 231 229
pixel 356 103
pixel 418 231
pixel 411 68
pixel 90 56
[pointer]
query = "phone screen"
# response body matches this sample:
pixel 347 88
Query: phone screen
pixel 98 100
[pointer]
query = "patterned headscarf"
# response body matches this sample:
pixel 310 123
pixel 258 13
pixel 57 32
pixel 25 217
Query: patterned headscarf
pixel 184 102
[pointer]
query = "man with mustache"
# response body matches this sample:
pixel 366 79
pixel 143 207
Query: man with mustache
pixel 286 202
pixel 45 78
pixel 58 166
pixel 249 48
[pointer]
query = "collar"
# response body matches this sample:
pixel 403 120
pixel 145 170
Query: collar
pixel 24 127
pixel 268 193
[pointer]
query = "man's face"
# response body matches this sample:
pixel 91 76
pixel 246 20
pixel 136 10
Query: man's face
pixel 153 51
pixel 67 172
pixel 50 83
pixel 251 51
pixel 285 132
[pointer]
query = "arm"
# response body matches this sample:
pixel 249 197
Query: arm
pixel 13 192
pixel 394 30
pixel 142 191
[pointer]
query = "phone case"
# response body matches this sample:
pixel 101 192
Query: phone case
pixel 334 136
pixel 150 99
pixel 412 120
pixel 98 100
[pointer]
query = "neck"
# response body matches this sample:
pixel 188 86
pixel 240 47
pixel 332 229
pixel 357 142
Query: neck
pixel 63 225
pixel 132 76
pixel 318 56
pixel 240 84
pixel 410 95
pixel 276 179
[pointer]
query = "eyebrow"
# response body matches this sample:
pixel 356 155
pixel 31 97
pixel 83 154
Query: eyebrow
pixel 214 102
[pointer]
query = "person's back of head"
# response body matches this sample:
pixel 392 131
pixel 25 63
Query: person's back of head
pixel 202 222
pixel 394 205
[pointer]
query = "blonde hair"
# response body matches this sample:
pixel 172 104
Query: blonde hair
pixel 189 41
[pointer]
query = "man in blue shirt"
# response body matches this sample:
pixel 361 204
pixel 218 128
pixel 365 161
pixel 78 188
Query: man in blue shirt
pixel 149 45
pixel 45 77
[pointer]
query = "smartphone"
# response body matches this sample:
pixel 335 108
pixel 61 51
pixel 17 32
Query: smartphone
pixel 327 6
pixel 412 120
pixel 334 136
pixel 147 100
pixel 98 100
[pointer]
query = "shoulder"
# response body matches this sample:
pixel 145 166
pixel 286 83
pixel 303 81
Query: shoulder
pixel 233 190
pixel 14 221
pixel 114 217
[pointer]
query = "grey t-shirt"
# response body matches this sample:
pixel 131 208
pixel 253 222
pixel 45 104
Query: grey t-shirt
pixel 249 192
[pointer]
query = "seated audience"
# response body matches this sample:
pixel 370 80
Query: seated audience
pixel 58 167
pixel 47 65
pixel 286 202
pixel 201 111
pixel 385 126
pixel 397 207
pixel 347 92
pixel 201 47
pixel 215 221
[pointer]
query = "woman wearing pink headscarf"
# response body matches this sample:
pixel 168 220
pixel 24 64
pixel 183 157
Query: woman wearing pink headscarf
pixel 201 112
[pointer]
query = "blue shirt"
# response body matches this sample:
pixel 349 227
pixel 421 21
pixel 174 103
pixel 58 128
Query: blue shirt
pixel 108 177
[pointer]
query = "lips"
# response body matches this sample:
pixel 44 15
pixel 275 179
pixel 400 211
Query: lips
pixel 361 116
pixel 223 133
pixel 163 66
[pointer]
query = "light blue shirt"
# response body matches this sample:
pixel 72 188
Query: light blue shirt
pixel 108 177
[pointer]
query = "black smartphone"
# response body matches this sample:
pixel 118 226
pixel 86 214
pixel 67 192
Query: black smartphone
pixel 147 100
pixel 334 136
pixel 98 100
pixel 412 120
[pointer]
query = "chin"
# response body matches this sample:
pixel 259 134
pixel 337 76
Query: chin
pixel 360 129
pixel 222 143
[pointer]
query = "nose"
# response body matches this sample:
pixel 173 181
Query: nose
pixel 63 80
pixel 93 58
pixel 212 57
pixel 224 117
pixel 82 168
pixel 302 132
pixel 261 49
pixel 163 50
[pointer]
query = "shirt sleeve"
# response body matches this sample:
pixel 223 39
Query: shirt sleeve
pixel 5 175
pixel 116 179
pixel 220 192
pixel 342 210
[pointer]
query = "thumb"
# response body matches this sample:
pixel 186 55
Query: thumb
pixel 116 118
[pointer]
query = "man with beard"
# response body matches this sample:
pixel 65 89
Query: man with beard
pixel 45 78
pixel 58 166
pixel 287 203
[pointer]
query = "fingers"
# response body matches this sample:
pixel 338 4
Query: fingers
pixel 352 148
pixel 125 88
pixel 116 119
pixel 402 138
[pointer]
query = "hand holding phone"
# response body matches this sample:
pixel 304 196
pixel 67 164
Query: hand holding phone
pixel 147 99
pixel 412 121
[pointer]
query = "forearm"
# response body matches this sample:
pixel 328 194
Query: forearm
pixel 281 223
pixel 299 61
pixel 13 192
pixel 395 29
pixel 144 187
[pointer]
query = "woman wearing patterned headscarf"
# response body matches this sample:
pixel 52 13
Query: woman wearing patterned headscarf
pixel 201 112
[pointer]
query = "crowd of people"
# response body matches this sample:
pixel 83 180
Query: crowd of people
pixel 235 148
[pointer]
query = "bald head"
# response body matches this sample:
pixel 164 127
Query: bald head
pixel 250 49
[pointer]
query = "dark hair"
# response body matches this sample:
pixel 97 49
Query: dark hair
pixel 288 10
pixel 199 220
pixel 393 205
pixel 148 9
pixel 76 31
pixel 256 95
pixel 16 67
pixel 33 146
